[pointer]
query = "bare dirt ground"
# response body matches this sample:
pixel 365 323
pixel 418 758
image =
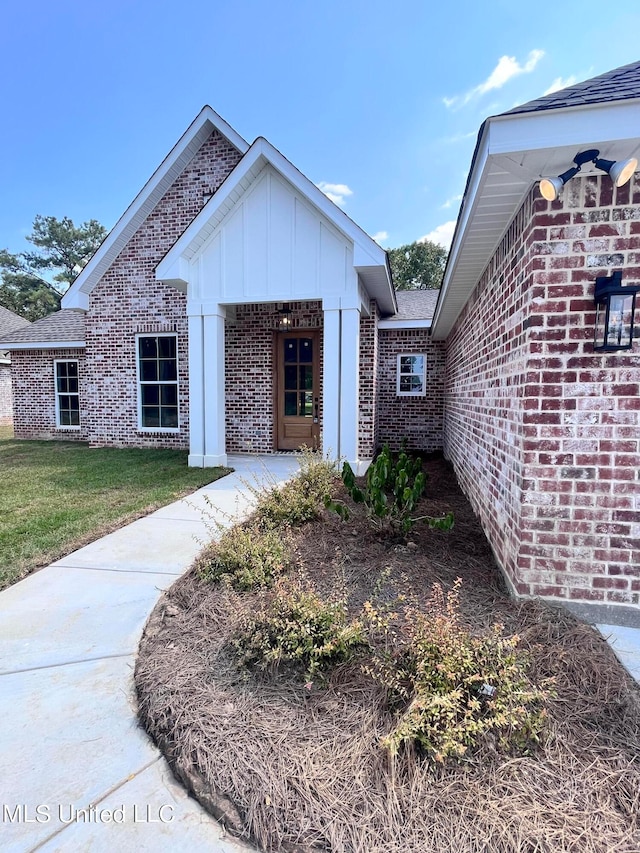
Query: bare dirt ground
pixel 299 768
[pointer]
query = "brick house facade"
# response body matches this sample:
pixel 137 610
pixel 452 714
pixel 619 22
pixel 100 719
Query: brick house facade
pixel 229 252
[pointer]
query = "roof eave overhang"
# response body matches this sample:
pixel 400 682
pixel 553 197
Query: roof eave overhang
pixel 369 259
pixel 174 163
pixel 26 345
pixel 512 153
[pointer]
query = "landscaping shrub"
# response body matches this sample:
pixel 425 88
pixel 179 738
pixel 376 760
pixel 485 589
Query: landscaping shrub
pixel 246 558
pixel 391 493
pixel 459 688
pixel 297 627
pixel 301 499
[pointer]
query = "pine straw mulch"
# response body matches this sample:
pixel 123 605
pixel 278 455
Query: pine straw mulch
pixel 302 770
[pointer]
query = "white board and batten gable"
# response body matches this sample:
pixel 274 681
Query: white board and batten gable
pixel 270 235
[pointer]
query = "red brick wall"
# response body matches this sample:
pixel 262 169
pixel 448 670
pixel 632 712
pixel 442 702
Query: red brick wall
pixel 128 300
pixel 419 420
pixel 251 375
pixel 543 432
pixel 34 394
pixel 368 391
pixel 6 397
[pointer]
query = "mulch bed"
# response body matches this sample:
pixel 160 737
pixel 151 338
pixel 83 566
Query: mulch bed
pixel 301 770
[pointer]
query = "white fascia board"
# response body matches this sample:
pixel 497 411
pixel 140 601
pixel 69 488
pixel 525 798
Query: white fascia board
pixel 43 345
pixel 128 223
pixel 467 206
pixel 404 324
pixel 570 126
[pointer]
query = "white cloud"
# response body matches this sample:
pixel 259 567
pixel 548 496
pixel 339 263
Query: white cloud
pixel 507 68
pixel 442 235
pixel 338 193
pixel 451 201
pixel 559 83
pixel 380 237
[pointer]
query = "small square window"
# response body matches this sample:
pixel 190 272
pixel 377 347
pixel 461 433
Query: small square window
pixel 411 374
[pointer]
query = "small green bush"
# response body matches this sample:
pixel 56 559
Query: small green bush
pixel 301 499
pixel 458 687
pixel 391 493
pixel 297 627
pixel 246 558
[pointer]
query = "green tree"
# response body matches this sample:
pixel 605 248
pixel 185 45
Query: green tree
pixel 417 266
pixel 62 249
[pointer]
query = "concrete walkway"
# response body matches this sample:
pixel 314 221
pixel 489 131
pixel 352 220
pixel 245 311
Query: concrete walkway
pixel 69 738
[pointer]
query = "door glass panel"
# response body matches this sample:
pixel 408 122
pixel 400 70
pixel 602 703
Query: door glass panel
pixel 290 378
pixel 306 377
pixel 306 350
pixel 306 404
pixel 291 349
pixel 290 403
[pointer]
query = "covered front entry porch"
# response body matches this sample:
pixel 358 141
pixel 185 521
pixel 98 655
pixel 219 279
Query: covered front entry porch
pixel 263 381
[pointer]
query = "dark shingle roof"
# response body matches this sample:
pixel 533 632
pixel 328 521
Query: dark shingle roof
pixel 9 322
pixel 415 304
pixel 621 84
pixel 65 325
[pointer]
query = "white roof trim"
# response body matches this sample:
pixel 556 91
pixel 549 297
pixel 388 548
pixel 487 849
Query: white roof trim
pixel 166 173
pixel 507 139
pixel 404 324
pixel 43 345
pixel 367 253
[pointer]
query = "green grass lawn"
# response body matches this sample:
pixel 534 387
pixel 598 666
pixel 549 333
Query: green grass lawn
pixel 58 495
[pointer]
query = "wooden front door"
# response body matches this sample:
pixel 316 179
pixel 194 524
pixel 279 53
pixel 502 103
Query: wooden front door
pixel 298 391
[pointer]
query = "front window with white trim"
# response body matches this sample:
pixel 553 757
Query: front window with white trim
pixel 67 394
pixel 158 382
pixel 410 377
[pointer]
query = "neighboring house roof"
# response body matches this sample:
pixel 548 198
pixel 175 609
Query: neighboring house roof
pixel 516 149
pixel 63 329
pixel 171 167
pixel 9 322
pixel 415 310
pixel 369 259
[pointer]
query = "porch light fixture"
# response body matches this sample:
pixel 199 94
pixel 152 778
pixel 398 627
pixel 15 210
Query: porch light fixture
pixel 284 314
pixel 615 309
pixel 619 171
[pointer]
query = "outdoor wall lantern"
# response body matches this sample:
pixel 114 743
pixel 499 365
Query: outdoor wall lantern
pixel 284 316
pixel 615 309
pixel 619 171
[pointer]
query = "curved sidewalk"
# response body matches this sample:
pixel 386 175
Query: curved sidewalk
pixel 76 771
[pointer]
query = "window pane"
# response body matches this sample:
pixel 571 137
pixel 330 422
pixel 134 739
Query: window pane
pixel 306 404
pixel 149 371
pixel 169 417
pixel 150 416
pixel 291 349
pixel 167 347
pixel 169 395
pixel 168 370
pixel 74 418
pixel 150 395
pixel 72 368
pixel 416 384
pixel 148 347
pixel 290 377
pixel 62 384
pixel 290 403
pixel 306 377
pixel 72 386
pixel 306 350
pixel 405 383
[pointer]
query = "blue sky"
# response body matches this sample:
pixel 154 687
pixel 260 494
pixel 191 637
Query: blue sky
pixel 383 100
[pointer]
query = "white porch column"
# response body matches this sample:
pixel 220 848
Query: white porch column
pixel 196 392
pixel 349 385
pixel 331 379
pixel 213 387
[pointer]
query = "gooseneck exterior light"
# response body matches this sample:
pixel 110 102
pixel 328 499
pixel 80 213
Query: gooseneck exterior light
pixel 619 171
